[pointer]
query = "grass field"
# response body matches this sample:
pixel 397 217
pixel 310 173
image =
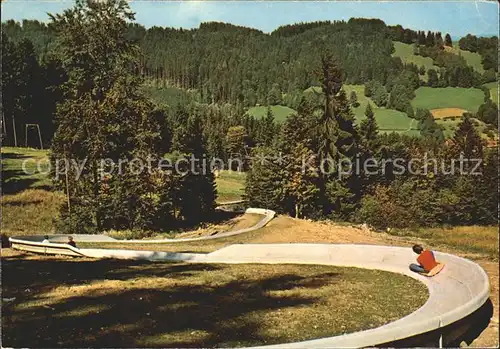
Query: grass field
pixel 230 185
pixel 472 58
pixel 29 206
pixel 363 101
pixel 388 120
pixel 405 52
pixel 493 87
pixel 170 96
pixel 20 170
pixel 449 97
pixel 280 112
pixel 110 303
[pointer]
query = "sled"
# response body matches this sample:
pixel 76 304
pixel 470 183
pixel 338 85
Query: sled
pixel 434 271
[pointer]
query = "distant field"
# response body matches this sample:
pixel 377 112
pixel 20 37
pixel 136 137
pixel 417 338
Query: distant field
pixel 388 120
pixel 448 97
pixel 447 112
pixel 170 96
pixel 472 59
pixel 405 52
pixel 280 112
pixel 359 112
pixel 493 87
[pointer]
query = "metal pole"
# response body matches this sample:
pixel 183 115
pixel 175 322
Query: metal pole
pixel 440 335
pixel 40 136
pixel 14 128
pixel 67 188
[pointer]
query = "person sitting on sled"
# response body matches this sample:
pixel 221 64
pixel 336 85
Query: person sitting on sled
pixel 426 260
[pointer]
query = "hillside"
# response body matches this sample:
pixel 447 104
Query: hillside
pixel 405 52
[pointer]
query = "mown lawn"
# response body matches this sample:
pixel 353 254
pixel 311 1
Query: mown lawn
pixel 449 97
pixel 280 112
pixel 66 302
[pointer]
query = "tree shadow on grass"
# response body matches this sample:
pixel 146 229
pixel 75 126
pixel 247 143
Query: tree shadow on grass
pixel 16 180
pixel 181 315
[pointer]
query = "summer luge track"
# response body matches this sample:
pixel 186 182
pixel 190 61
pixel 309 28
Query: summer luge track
pixel 455 294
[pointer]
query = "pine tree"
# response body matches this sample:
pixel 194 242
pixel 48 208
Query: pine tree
pixel 302 186
pixel 274 96
pixel 353 99
pixel 432 78
pixel 264 185
pixel 368 129
pixel 428 127
pixel 467 141
pixel 267 128
pixel 447 40
pixel 236 138
pixel 337 132
pixel 198 191
pixel 103 114
pixel 338 139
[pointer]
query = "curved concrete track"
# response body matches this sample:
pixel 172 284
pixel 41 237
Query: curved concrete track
pixel 454 294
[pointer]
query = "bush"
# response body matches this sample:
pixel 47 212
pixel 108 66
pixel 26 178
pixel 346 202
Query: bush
pixel 381 211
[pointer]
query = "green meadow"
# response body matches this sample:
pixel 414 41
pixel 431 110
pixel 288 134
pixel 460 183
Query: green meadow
pixel 449 97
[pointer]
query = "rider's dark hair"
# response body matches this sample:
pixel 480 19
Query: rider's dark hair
pixel 417 249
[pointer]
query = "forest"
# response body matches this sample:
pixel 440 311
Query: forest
pixel 91 90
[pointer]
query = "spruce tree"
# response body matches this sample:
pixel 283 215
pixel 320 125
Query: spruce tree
pixel 301 186
pixel 267 129
pixel 103 114
pixel 338 142
pixel 467 141
pixel 198 191
pixel 368 129
pixel 447 40
pixel 353 99
pixel 265 180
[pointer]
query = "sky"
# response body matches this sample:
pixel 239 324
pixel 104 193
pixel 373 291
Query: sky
pixel 455 17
